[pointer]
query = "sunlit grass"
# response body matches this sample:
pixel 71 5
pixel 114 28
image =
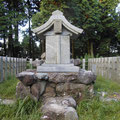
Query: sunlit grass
pixel 106 85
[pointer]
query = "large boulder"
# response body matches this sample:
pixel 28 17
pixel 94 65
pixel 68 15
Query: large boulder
pixel 49 91
pixel 59 108
pixel 38 89
pixel 62 77
pixel 27 78
pixel 77 91
pixel 42 76
pixel 37 62
pixel 76 62
pixel 86 77
pixel 22 91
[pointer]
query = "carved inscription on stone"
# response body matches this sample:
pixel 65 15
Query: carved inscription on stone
pixel 58 26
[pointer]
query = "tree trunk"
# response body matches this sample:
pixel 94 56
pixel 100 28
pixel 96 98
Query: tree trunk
pixel 4 38
pixel 30 35
pixel 16 52
pixel 90 48
pixel 30 55
pixel 33 50
pixel 10 42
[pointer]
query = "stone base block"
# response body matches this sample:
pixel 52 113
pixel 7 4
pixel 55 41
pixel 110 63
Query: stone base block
pixel 61 68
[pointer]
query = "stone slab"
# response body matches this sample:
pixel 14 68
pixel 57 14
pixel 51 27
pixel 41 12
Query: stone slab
pixel 57 49
pixel 57 65
pixel 58 68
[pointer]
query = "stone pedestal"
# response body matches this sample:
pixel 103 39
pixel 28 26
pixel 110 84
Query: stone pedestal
pixel 59 68
pixel 59 91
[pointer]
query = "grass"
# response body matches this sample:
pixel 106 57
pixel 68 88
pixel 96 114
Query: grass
pixel 8 88
pixel 106 85
pixel 95 109
pixel 90 109
pixel 23 110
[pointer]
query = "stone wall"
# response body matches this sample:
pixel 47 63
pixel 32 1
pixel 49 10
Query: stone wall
pixel 108 67
pixel 59 92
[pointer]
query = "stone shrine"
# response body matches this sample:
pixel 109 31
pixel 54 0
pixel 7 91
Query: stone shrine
pixel 57 32
pixel 57 83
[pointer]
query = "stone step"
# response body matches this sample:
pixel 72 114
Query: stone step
pixel 58 68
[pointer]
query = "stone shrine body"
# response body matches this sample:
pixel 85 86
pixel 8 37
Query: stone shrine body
pixel 57 32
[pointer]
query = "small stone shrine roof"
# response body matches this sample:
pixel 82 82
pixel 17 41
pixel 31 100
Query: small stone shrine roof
pixel 56 17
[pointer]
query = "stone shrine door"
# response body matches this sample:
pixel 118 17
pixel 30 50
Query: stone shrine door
pixel 58 49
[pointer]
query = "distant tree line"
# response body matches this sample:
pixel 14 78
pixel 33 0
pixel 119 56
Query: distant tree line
pixel 15 13
pixel 98 18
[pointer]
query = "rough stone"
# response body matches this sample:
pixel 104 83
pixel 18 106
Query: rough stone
pixel 7 102
pixel 77 91
pixel 77 62
pixel 59 108
pixel 66 101
pixel 49 92
pixel 86 77
pixel 43 56
pixel 62 77
pixel 37 62
pixel 67 87
pixel 42 76
pixel 27 78
pixel 38 89
pixel 22 91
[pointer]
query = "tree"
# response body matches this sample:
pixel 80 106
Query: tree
pixel 98 19
pixel 12 15
pixel 32 7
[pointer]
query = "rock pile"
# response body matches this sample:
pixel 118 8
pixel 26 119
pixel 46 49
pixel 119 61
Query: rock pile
pixel 59 91
pixel 44 85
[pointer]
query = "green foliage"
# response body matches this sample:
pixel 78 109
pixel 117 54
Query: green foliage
pixel 106 85
pixel 21 110
pixel 98 19
pixel 46 8
pixel 8 88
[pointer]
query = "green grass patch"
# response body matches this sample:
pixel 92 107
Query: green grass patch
pixel 95 109
pixel 106 85
pixel 22 110
pixel 8 88
pixel 90 109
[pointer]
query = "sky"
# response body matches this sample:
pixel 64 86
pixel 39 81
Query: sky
pixel 22 29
